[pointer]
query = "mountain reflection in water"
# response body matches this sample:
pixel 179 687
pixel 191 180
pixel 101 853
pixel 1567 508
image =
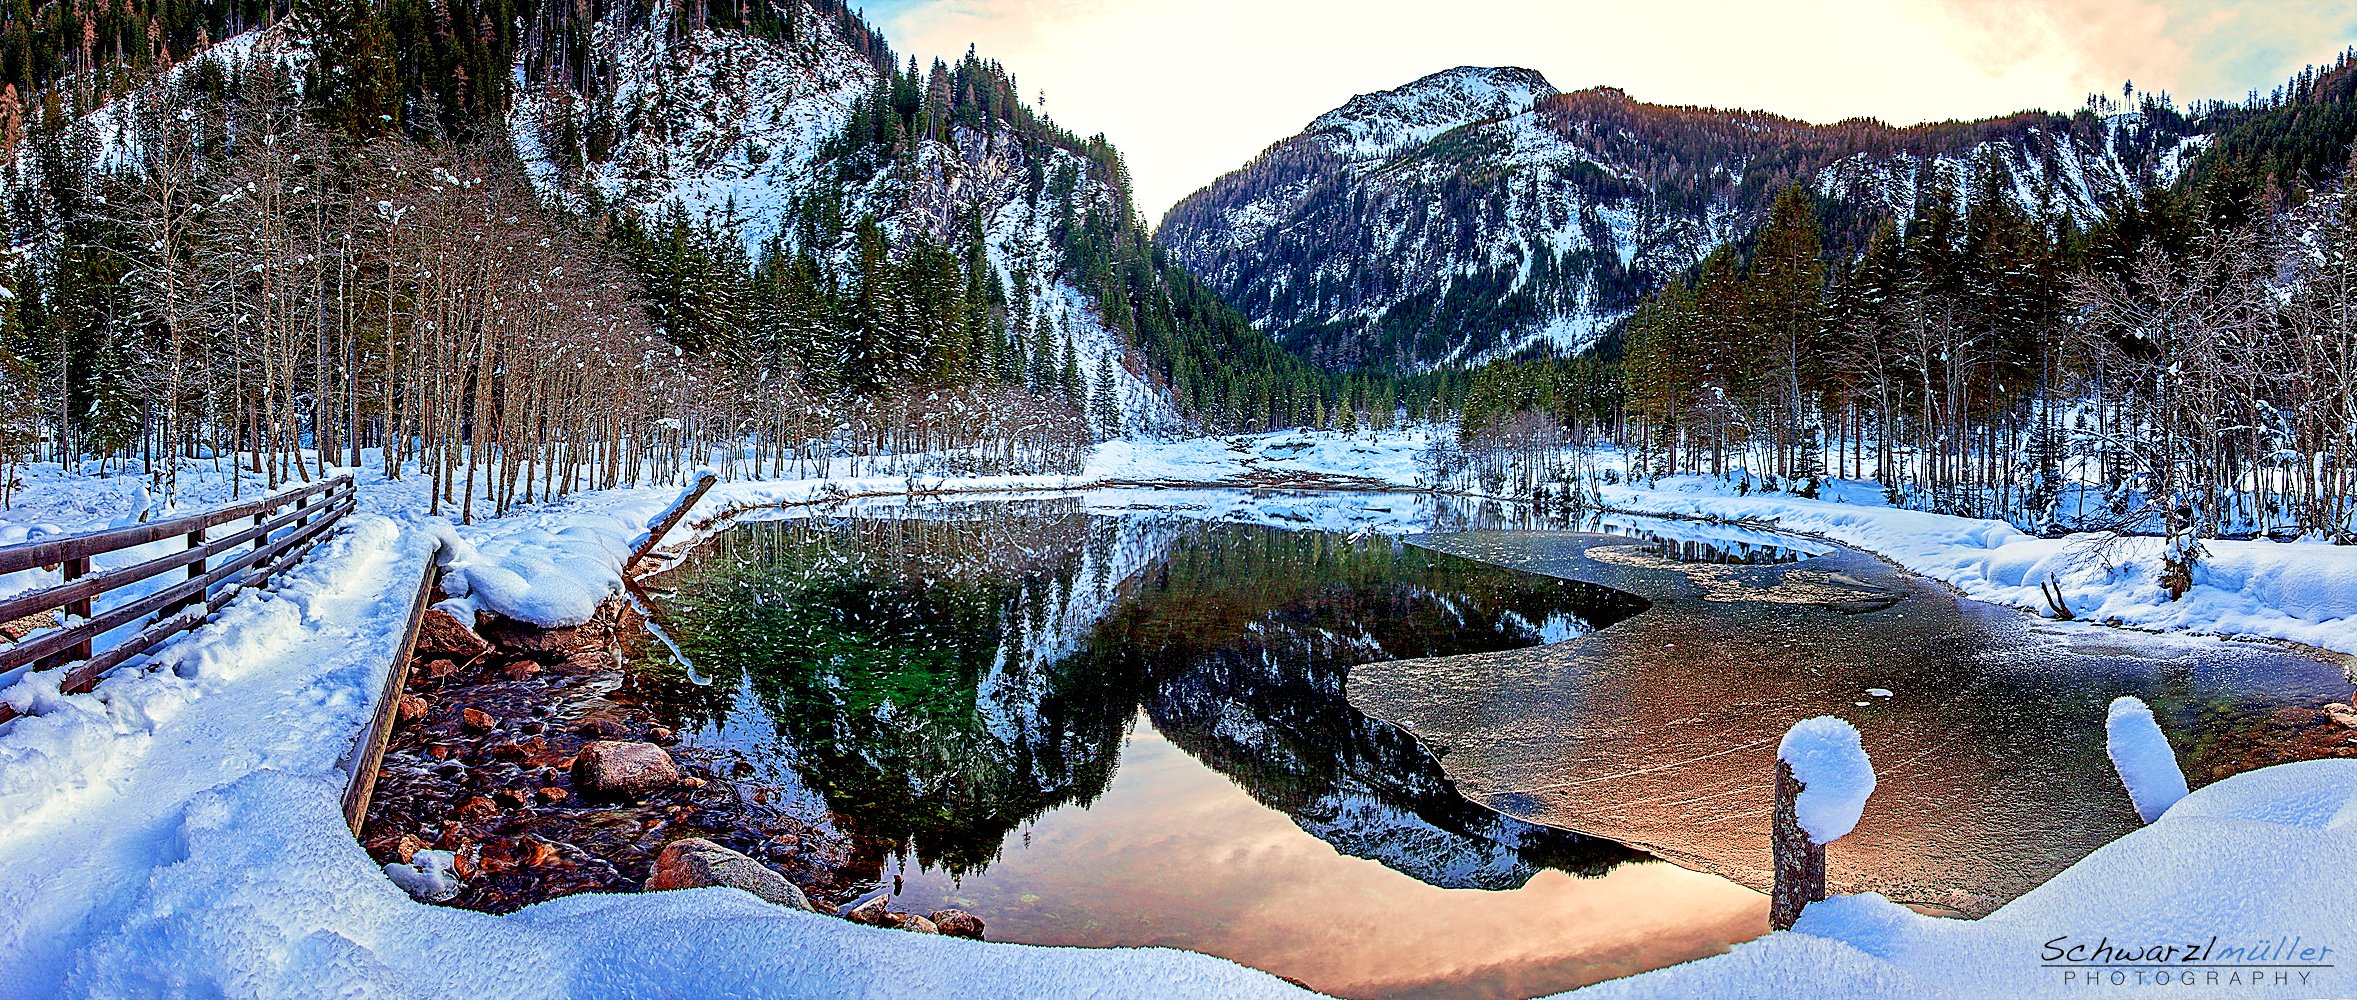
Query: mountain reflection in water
pixel 986 700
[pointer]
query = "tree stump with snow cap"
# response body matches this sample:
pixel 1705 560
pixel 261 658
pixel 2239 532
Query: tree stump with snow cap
pixel 1823 779
pixel 1800 861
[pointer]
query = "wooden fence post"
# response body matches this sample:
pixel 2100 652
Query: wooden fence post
pixel 76 569
pixel 1799 860
pixel 196 571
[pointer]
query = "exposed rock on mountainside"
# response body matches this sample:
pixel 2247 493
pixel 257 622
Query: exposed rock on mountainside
pixel 748 129
pixel 1477 212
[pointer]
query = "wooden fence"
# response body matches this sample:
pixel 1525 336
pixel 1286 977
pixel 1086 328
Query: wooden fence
pixel 222 555
pixel 368 753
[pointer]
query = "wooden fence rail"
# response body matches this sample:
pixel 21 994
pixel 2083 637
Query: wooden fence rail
pixel 368 752
pixel 216 565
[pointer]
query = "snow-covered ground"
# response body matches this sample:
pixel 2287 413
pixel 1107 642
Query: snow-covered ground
pixel 2302 591
pixel 2240 889
pixel 176 832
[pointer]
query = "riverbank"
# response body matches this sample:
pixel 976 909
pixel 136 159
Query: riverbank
pixel 2303 592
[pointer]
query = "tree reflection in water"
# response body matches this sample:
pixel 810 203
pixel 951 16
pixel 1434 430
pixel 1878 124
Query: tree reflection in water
pixel 941 677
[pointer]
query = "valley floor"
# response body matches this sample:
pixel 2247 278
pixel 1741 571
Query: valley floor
pixel 176 832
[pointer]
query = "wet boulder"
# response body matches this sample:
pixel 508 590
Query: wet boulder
pixel 874 913
pixel 440 635
pixel 614 770
pixel 696 863
pixel 551 644
pixel 957 923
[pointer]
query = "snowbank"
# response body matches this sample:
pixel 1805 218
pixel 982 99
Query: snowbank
pixel 177 832
pixel 2259 861
pixel 2303 592
pixel 1836 778
pixel 2142 756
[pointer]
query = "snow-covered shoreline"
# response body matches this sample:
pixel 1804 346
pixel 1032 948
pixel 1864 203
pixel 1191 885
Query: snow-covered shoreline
pixel 176 831
pixel 2298 592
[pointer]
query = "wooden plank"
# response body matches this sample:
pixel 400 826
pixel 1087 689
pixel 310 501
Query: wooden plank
pixel 368 755
pixel 670 517
pixel 47 552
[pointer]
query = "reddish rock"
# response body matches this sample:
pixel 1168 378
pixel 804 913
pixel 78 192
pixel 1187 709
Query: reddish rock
pixel 601 729
pixel 612 770
pixel 478 808
pixel 538 854
pixel 497 856
pixel 513 798
pixel 912 922
pixel 439 635
pixel 580 663
pixel 658 734
pixel 874 913
pixel 553 794
pixel 397 848
pixel 517 670
pixel 696 863
pixel 518 637
pixel 409 709
pixel 957 923
pixel 477 720
pixel 438 669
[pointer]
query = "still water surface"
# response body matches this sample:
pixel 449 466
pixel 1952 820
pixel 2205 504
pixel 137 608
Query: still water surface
pixel 1130 729
pixel 1098 726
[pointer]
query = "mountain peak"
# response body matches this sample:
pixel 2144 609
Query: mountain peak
pixel 1377 124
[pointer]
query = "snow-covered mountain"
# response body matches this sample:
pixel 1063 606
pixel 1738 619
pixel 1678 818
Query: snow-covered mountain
pixel 743 130
pixel 1479 211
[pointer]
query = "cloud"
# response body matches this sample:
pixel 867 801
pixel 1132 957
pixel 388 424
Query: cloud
pixel 1189 89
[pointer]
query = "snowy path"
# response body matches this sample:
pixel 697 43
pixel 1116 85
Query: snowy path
pixel 100 790
pixel 177 831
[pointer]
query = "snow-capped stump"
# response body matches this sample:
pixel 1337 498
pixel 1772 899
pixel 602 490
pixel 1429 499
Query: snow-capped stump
pixel 2142 757
pixel 612 770
pixel 696 863
pixel 1822 782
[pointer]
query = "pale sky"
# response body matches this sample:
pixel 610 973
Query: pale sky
pixel 1190 89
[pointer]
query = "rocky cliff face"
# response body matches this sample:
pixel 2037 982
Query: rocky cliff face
pixel 743 130
pixel 1479 212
